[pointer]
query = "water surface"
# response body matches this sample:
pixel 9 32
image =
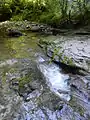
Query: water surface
pixel 17 55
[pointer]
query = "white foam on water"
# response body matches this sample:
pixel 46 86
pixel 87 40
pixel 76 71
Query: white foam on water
pixel 56 80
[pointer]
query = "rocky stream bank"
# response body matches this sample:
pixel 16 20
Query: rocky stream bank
pixel 35 87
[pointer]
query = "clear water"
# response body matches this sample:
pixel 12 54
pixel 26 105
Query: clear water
pixel 12 49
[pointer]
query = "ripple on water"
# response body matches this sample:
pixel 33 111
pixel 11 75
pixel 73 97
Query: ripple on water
pixel 57 81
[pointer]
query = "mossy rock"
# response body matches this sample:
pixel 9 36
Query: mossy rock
pixel 70 50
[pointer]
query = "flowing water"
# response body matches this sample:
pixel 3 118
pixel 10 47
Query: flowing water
pixel 31 87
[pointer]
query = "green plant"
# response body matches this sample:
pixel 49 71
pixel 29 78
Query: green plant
pixel 53 12
pixel 5 11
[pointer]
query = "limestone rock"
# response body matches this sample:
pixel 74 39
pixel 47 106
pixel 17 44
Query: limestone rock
pixel 73 51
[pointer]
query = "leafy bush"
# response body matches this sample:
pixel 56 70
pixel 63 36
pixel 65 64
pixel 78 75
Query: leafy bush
pixel 5 11
pixel 51 19
pixel 53 12
pixel 16 6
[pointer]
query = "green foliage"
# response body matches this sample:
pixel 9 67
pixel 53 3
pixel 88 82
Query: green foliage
pixel 64 8
pixel 53 12
pixel 18 17
pixel 80 10
pixel 51 18
pixel 16 6
pixel 5 11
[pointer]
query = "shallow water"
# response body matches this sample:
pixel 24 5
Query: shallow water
pixel 16 55
pixel 31 86
pixel 12 49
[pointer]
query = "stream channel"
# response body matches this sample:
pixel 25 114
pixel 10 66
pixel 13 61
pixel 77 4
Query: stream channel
pixel 32 87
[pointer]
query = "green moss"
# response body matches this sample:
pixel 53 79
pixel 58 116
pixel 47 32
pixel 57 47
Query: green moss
pixel 24 80
pixel 55 53
pixel 66 60
pixel 44 42
pixel 70 61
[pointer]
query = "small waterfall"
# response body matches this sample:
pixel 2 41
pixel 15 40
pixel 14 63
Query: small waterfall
pixel 56 80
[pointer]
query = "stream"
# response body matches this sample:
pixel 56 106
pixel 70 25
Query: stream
pixel 32 87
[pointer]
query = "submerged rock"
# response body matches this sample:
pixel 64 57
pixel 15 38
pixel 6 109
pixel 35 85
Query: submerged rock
pixel 25 94
pixel 33 89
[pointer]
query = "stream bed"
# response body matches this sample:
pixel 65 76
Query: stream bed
pixel 34 88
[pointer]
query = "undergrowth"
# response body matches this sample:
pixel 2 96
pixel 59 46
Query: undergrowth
pixel 58 13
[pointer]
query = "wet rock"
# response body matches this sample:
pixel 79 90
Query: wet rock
pixel 80 95
pixel 16 27
pixel 28 92
pixel 26 95
pixel 67 113
pixel 69 50
pixel 87 77
pixel 13 33
pixel 32 110
pixel 24 79
pixel 34 28
pixel 9 103
pixel 21 84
